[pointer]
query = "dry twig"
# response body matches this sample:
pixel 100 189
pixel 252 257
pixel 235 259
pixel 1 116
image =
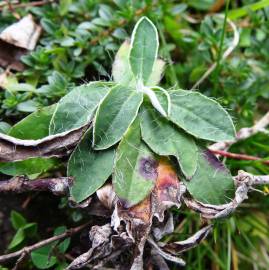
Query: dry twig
pixel 29 249
pixel 19 184
pixel 243 134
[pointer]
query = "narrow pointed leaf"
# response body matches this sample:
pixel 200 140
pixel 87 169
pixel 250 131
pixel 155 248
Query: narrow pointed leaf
pixel 135 168
pixel 201 116
pixel 89 168
pixel 114 115
pixel 144 49
pixel 212 183
pixel 166 139
pixel 77 108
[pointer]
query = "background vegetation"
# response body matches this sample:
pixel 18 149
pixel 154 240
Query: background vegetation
pixel 78 44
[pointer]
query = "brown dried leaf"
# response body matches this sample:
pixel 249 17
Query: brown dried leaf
pixel 23 34
pixel 167 191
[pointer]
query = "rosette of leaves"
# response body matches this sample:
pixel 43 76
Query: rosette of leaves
pixel 132 123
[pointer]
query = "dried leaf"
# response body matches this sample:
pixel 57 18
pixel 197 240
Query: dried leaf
pixel 23 34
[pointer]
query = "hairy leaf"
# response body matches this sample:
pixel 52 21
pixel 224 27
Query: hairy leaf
pixel 135 168
pixel 35 126
pixel 114 115
pixel 166 139
pixel 201 116
pixel 77 108
pixel 144 49
pixel 89 168
pixel 122 73
pixel 163 97
pixel 212 183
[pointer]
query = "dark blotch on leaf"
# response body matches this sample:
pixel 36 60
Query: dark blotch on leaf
pixel 148 168
pixel 213 161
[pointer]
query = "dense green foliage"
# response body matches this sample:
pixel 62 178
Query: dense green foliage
pixel 79 42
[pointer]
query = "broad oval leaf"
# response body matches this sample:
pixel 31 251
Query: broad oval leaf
pixel 135 168
pixel 144 49
pixel 122 73
pixel 35 126
pixel 168 140
pixel 42 258
pixel 201 116
pixel 212 183
pixel 89 168
pixel 114 115
pixel 77 108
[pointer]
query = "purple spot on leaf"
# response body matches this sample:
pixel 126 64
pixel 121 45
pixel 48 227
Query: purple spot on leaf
pixel 213 161
pixel 148 168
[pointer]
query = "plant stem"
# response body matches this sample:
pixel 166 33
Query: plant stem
pixel 217 71
pixel 27 250
pixel 238 156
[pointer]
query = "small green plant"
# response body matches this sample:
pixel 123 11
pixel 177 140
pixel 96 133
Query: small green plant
pixel 131 123
pixel 24 230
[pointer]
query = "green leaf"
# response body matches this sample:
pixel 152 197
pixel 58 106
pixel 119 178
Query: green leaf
pixel 35 126
pixel 157 72
pixel 17 220
pixel 4 127
pixel 63 246
pixel 243 11
pixel 212 183
pixel 201 116
pixel 30 229
pixel 29 166
pixel 89 168
pixel 41 257
pixel 144 49
pixel 136 168
pixel 168 140
pixel 17 239
pixel 122 73
pixel 77 108
pixel 114 115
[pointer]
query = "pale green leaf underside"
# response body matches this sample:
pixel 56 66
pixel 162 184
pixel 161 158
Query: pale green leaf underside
pixel 89 168
pixel 136 168
pixel 168 140
pixel 77 108
pixel 212 183
pixel 164 98
pixel 144 49
pixel 201 116
pixel 114 115
pixel 122 73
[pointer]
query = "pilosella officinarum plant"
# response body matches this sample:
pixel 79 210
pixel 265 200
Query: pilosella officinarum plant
pixel 132 126
pixel 135 122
